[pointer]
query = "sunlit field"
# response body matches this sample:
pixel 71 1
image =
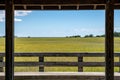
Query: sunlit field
pixel 60 45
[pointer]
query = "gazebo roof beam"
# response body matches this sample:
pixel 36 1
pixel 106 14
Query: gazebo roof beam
pixel 59 4
pixel 42 2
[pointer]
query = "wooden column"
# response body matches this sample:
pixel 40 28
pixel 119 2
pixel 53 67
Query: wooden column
pixel 109 40
pixel 9 66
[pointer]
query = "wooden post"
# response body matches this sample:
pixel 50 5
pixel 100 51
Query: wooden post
pixel 9 51
pixel 41 67
pixel 109 41
pixel 1 60
pixel 80 69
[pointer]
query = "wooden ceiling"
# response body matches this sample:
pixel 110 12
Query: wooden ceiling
pixel 60 4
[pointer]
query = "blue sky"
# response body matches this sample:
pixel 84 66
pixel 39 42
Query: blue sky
pixel 59 23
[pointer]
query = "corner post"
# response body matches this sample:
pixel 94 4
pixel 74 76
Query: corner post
pixel 109 40
pixel 9 51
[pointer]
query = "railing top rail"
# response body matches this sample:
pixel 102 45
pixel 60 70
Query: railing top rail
pixel 57 54
pixel 60 63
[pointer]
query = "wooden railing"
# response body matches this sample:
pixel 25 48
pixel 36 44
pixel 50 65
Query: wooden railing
pixel 41 63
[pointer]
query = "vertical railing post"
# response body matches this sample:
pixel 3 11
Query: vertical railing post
pixel 80 59
pixel 1 60
pixel 41 67
pixel 109 40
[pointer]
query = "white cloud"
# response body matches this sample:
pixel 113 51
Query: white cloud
pixel 18 20
pixel 17 14
pixel 2 19
pixel 22 13
pixel 117 29
pixel 2 16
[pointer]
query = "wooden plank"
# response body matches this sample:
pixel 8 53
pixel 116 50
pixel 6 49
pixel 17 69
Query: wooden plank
pixel 60 76
pixel 60 54
pixel 48 54
pixel 49 64
pixel 109 41
pixel 63 54
pixel 9 50
pixel 80 64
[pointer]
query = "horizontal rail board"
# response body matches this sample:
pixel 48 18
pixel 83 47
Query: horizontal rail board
pixel 81 64
pixel 60 54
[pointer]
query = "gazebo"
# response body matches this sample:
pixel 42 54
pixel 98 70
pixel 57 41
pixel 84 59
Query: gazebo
pixel 108 5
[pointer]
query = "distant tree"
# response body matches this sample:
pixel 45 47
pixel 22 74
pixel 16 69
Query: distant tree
pixel 86 36
pixel 116 34
pixel 28 36
pixel 3 36
pixel 67 36
pixel 91 35
pixel 98 36
pixel 75 36
pixel 102 35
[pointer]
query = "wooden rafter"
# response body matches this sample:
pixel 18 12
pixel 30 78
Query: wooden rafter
pixel 55 4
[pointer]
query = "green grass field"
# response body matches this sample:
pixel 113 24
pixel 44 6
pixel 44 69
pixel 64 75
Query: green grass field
pixel 60 45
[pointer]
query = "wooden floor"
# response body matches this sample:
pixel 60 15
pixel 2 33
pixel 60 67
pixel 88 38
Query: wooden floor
pixel 60 75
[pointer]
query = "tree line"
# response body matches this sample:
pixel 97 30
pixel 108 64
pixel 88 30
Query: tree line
pixel 116 34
